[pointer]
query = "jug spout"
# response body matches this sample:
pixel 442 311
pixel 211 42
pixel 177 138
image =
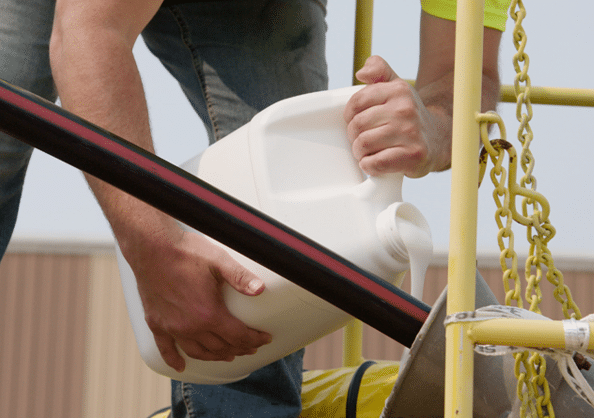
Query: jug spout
pixel 405 235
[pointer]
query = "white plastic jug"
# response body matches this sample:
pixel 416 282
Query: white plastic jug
pixel 293 162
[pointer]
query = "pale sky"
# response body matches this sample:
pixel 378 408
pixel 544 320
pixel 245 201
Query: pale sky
pixel 57 202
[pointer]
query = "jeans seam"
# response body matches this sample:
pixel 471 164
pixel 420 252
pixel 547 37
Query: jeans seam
pixel 187 400
pixel 186 39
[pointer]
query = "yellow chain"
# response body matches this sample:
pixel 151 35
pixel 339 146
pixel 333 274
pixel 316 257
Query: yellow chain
pixel 539 230
pixel 504 197
pixel 533 388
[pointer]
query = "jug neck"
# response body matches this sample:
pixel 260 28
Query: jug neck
pixel 385 188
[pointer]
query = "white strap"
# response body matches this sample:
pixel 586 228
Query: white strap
pixel 577 338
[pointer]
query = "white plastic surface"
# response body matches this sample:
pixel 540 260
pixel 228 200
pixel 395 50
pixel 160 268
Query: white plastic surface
pixel 294 163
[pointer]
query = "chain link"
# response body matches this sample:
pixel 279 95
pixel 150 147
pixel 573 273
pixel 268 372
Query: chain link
pixel 539 230
pixel 533 388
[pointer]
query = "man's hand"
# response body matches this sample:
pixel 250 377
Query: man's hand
pixel 397 128
pixel 390 128
pixel 181 290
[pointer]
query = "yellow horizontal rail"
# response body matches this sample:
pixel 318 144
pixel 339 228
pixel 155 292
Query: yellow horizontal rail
pixel 562 96
pixel 552 96
pixel 522 333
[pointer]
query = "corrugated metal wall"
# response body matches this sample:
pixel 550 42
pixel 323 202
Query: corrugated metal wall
pixel 43 309
pixel 117 382
pixel 67 348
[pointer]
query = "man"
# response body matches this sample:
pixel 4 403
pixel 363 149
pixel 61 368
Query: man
pixel 232 59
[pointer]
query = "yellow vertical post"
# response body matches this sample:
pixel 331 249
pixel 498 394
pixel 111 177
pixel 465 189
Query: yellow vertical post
pixel 463 216
pixel 363 31
pixel 352 340
pixel 352 344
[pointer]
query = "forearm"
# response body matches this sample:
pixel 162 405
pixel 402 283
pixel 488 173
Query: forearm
pixel 97 79
pixel 179 276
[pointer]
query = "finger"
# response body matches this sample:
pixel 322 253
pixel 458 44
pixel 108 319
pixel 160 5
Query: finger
pixel 208 348
pixel 373 140
pixel 240 278
pixel 369 119
pixel 218 320
pixel 239 336
pixel 395 97
pixel 214 344
pixel 363 100
pixel 409 161
pixel 375 70
pixel 166 345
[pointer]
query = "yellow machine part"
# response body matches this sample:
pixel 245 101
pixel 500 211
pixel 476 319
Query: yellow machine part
pixel 324 392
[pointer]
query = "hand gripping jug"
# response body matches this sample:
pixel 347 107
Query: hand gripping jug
pixel 293 162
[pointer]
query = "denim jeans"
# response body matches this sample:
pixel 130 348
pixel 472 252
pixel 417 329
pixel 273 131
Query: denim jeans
pixel 233 59
pixel 25 28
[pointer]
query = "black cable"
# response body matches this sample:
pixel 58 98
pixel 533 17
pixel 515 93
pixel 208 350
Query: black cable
pixel 353 392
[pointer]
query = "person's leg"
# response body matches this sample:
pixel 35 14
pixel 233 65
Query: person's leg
pixel 273 391
pixel 25 28
pixel 233 59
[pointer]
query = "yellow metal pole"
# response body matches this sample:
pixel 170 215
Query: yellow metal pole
pixel 352 339
pixel 352 344
pixel 522 333
pixel 463 215
pixel 363 32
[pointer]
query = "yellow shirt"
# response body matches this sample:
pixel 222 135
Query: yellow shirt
pixel 495 11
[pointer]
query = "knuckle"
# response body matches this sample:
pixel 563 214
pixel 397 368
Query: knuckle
pixel 207 320
pixel 153 322
pixel 365 142
pixel 380 165
pixel 418 153
pixel 192 349
pixel 238 277
pixel 408 110
pixel 401 86
pixel 369 167
pixel 359 122
pixel 246 340
pixel 355 104
pixel 412 132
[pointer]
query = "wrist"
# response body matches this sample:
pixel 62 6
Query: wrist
pixel 441 139
pixel 147 235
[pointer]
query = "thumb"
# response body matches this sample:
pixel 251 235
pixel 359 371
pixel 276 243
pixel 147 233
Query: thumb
pixel 240 278
pixel 375 70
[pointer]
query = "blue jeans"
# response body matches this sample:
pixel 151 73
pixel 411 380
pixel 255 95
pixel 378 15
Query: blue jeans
pixel 25 28
pixel 233 59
